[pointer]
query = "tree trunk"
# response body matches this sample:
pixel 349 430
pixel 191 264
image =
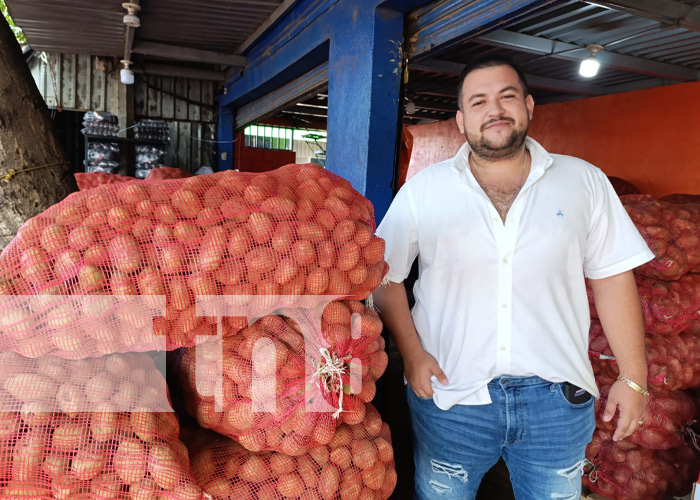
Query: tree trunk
pixel 27 140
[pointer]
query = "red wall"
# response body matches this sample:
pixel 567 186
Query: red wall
pixel 258 159
pixel 648 137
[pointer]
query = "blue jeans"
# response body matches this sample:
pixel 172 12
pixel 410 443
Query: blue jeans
pixel 541 436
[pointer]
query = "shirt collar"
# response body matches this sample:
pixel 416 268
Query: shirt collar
pixel 541 159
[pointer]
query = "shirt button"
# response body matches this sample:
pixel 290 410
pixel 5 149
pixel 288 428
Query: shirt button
pixel 504 305
pixel 505 261
pixel 503 348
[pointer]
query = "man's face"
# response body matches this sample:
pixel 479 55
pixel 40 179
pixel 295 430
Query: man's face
pixel 495 114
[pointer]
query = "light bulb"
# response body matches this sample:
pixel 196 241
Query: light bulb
pixel 410 107
pixel 589 66
pixel 127 76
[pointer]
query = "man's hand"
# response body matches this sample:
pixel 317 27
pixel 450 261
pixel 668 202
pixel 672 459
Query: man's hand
pixel 419 367
pixel 631 405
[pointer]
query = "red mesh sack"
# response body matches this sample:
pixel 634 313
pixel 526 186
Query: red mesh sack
pixel 622 470
pixel 298 230
pixel 668 417
pixel 669 307
pixel 673 362
pixel 93 429
pixel 167 173
pixel 681 198
pixel 622 186
pixel 672 232
pixel 357 464
pixel 273 367
pixel 89 180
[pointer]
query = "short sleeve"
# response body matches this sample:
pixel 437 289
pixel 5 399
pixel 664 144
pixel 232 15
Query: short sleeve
pixel 614 244
pixel 399 231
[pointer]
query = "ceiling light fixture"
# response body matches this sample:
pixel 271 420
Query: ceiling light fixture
pixel 131 18
pixel 126 74
pixel 590 65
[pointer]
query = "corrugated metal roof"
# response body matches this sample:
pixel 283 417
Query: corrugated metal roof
pixel 581 24
pixel 624 33
pixel 95 27
pixel 71 26
pixel 216 25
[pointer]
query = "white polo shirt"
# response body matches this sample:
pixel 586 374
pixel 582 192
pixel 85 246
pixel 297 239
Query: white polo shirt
pixel 508 299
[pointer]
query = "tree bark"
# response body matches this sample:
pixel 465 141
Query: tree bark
pixel 27 140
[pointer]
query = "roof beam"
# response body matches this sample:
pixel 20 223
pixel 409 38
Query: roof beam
pixel 187 54
pixel 669 12
pixel 179 72
pixel 560 50
pixel 534 81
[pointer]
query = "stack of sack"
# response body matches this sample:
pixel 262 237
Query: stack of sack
pixel 660 459
pixel 255 279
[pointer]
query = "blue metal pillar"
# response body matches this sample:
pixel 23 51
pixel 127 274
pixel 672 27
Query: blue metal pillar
pixel 225 138
pixel 364 83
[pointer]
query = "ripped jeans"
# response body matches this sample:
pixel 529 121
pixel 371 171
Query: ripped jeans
pixel 540 435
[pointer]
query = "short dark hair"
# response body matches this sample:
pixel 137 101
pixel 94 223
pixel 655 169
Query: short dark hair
pixel 489 62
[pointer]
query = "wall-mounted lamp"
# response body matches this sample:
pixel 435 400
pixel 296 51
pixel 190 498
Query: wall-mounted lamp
pixel 126 74
pixel 131 18
pixel 590 65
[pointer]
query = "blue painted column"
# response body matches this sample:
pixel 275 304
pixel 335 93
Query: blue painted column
pixel 225 137
pixel 363 98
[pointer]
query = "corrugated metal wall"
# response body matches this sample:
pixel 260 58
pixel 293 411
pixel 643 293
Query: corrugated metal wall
pixel 191 145
pixel 187 105
pixel 75 80
pixel 305 150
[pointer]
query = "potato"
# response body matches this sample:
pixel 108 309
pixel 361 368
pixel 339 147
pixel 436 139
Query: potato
pixel 131 460
pixel 66 264
pixel 106 487
pixel 125 253
pixel 144 424
pixel 164 467
pixel 165 213
pixel 54 238
pixel 17 322
pixel 100 388
pixel 35 265
pixel 212 248
pixel 146 489
pixel 187 233
pixel 261 227
pixel 290 485
pixel 120 219
pixel 342 457
pixel 103 422
pixel 31 387
pixel 88 463
pixel 56 465
pixel 69 437
pixel 364 454
pixel 329 481
pixel 81 237
pixel 187 202
pixel 71 398
pixel 282 464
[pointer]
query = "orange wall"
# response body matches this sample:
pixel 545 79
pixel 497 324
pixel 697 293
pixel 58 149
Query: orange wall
pixel 648 137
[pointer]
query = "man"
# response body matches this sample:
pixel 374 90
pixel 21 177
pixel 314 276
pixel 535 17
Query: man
pixel 495 350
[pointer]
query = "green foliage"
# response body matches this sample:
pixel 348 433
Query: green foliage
pixel 19 35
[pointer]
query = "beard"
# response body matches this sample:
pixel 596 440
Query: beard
pixel 486 148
